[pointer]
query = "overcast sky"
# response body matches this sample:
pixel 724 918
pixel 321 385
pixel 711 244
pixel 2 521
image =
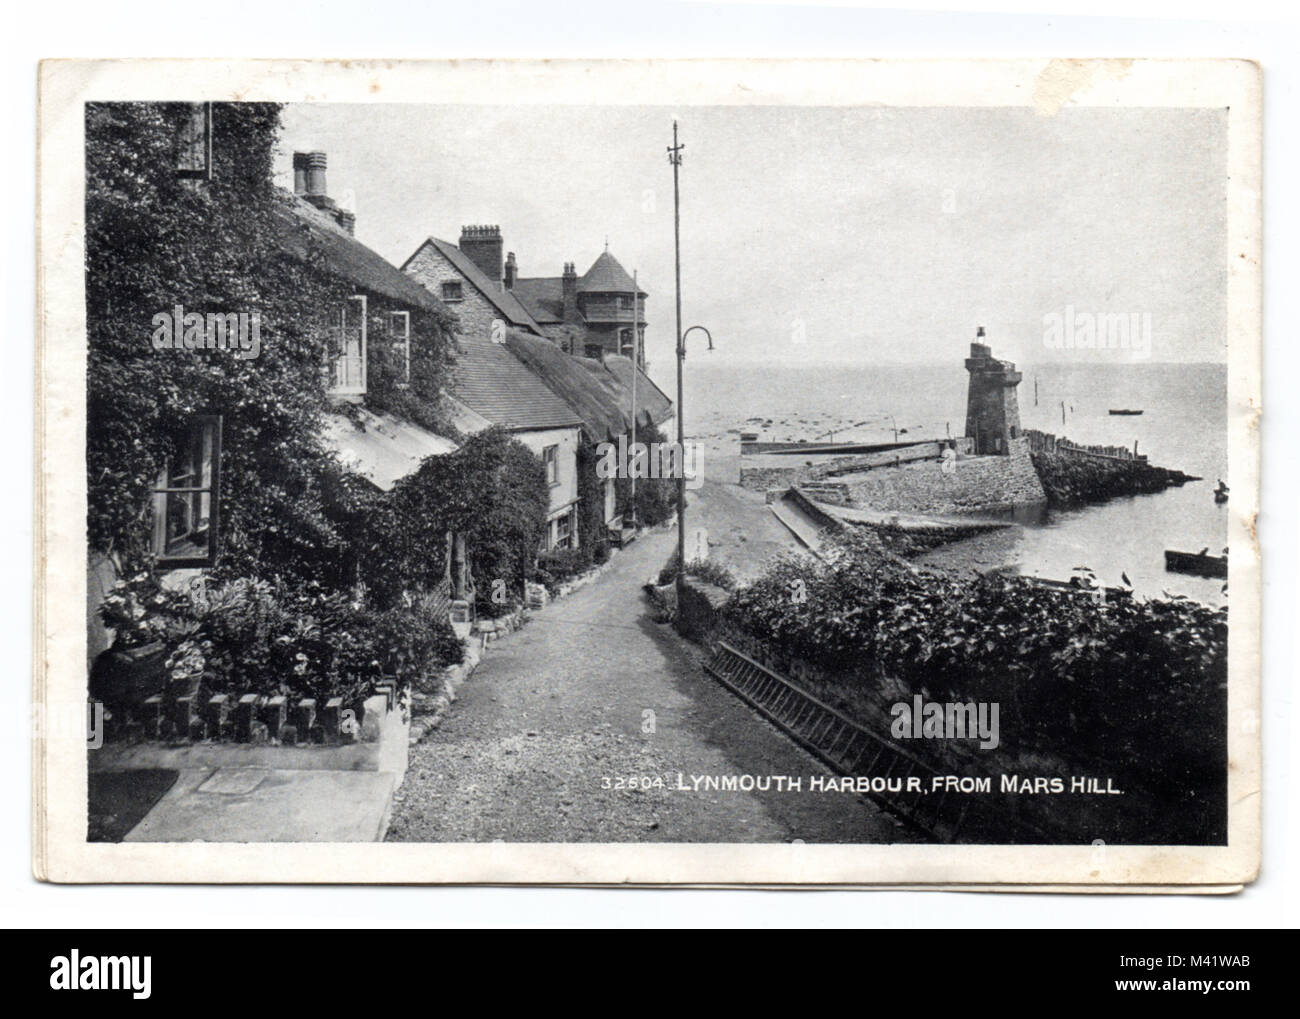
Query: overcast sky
pixel 871 235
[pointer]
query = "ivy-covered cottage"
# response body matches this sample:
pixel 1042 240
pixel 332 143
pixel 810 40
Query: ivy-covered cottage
pixel 265 411
pixel 379 344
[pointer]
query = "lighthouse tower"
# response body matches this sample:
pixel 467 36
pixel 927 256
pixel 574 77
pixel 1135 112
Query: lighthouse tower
pixel 992 411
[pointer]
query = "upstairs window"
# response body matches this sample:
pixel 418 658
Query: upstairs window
pixel 194 143
pixel 551 458
pixel 346 354
pixel 185 498
pixel 451 291
pixel 399 324
pixel 625 302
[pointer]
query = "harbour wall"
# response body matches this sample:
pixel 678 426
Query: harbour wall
pixel 962 486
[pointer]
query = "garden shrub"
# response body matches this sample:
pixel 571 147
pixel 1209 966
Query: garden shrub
pixel 707 570
pixel 255 636
pixel 558 565
pixel 1098 682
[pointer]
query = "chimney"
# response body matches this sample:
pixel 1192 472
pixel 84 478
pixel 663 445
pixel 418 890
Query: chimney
pixel 483 246
pixel 315 183
pixel 569 284
pixel 512 271
pixel 300 173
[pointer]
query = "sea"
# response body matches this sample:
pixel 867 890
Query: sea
pixel 1183 425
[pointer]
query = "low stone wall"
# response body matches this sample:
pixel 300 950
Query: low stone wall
pixel 973 484
pixel 762 479
pixel 372 737
pixel 698 608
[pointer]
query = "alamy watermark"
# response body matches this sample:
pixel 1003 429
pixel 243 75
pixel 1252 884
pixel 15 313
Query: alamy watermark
pixel 179 329
pixel 77 972
pixel 642 460
pixel 1099 331
pixel 921 719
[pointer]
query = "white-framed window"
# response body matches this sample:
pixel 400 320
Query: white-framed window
pixel 551 458
pixel 400 326
pixel 347 349
pixel 564 530
pixel 194 143
pixel 452 291
pixel 186 497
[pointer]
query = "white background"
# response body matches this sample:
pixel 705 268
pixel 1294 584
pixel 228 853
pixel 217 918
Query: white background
pixel 379 29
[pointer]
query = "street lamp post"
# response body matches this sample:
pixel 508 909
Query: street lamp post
pixel 675 157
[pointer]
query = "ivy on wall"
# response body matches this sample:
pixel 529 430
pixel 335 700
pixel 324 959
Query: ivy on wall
pixel 154 241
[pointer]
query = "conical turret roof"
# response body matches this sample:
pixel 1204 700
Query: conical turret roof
pixel 605 276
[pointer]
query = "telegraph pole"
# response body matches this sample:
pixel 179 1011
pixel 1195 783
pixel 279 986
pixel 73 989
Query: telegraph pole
pixel 675 157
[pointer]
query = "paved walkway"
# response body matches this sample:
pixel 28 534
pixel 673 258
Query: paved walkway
pixel 577 727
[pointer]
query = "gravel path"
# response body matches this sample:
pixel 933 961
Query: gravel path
pixel 577 727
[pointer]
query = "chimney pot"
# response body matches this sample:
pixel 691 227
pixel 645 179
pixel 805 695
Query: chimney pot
pixel 569 292
pixel 512 270
pixel 314 163
pixel 483 246
pixel 299 173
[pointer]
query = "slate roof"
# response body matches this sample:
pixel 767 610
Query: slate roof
pixel 542 296
pixel 492 382
pixel 501 299
pixel 600 395
pixel 606 276
pixel 302 227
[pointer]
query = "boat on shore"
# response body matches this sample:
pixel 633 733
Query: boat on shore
pixel 1125 412
pixel 1198 564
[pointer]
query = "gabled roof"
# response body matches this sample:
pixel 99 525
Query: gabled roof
pixel 599 395
pixel 606 276
pixel 503 300
pixel 492 382
pixel 303 228
pixel 543 297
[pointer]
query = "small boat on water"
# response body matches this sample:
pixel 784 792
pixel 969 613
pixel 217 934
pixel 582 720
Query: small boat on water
pixel 1221 493
pixel 1125 412
pixel 1198 564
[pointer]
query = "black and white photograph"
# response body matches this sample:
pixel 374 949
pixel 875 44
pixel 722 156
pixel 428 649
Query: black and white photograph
pixel 736 482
